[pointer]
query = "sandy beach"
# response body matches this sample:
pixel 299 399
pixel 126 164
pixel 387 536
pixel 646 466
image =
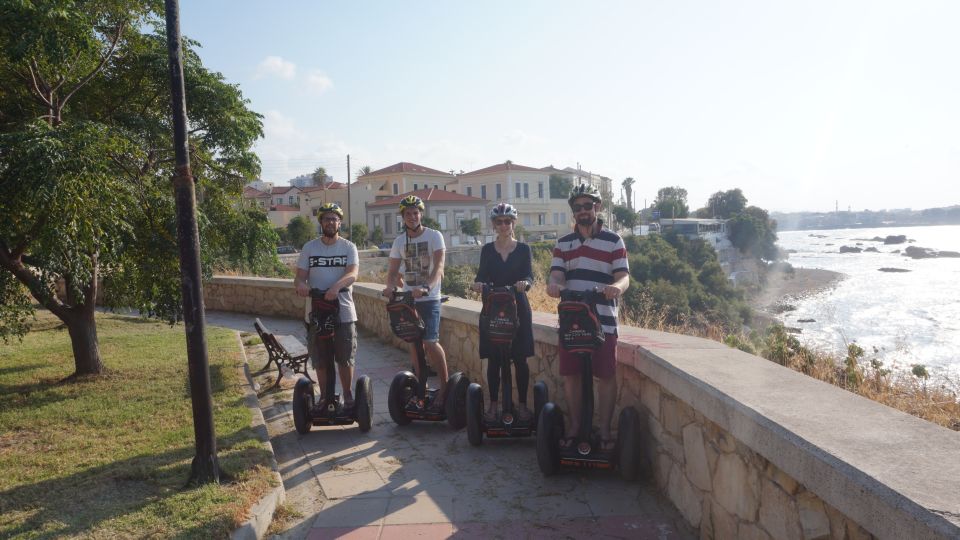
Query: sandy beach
pixel 783 288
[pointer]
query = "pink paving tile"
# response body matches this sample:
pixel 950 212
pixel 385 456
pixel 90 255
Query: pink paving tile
pixel 345 533
pixel 417 530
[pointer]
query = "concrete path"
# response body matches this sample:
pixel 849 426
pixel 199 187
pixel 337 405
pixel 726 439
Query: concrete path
pixel 426 481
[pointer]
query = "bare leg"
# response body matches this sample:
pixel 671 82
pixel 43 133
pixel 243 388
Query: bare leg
pixel 607 388
pixel 346 382
pixel 438 361
pixel 572 390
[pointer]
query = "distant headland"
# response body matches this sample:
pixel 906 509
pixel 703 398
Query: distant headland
pixel 848 219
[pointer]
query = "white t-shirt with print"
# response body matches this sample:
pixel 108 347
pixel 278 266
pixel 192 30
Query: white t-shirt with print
pixel 325 266
pixel 416 260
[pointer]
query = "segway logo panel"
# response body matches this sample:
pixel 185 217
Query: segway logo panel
pixel 499 317
pixel 323 316
pixel 405 322
pixel 580 330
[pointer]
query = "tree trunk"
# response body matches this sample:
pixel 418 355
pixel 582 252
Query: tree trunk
pixel 83 336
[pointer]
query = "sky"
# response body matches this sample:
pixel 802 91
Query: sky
pixel 805 106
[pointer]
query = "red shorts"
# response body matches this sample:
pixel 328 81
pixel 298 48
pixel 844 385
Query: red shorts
pixel 604 360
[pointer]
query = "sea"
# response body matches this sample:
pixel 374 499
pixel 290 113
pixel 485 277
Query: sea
pixel 901 318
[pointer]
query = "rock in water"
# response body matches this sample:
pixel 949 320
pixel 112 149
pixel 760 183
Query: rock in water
pixel 885 269
pixel 850 249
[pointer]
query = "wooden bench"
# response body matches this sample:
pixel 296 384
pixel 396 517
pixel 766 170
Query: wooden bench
pixel 283 351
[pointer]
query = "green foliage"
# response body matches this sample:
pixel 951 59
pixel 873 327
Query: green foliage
pixel 358 235
pixel 457 280
pixel 429 222
pixel 672 203
pixel 628 191
pixel 726 204
pixel 470 227
pixel 319 176
pixel 626 217
pixel 919 371
pixel 86 195
pixel 282 237
pixel 376 236
pixel 301 230
pixel 754 233
pixel 560 186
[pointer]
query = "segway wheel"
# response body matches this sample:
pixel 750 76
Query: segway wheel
pixel 363 397
pixel 403 387
pixel 302 404
pixel 540 397
pixel 549 431
pixel 628 443
pixel 455 406
pixel 475 414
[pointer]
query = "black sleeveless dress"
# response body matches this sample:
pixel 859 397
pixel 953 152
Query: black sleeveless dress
pixel 519 265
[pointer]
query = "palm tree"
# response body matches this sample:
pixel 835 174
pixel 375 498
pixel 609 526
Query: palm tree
pixel 366 169
pixel 319 176
pixel 628 187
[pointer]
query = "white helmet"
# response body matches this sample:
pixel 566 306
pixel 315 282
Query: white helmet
pixel 503 209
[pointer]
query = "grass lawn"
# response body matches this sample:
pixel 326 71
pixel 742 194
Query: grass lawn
pixel 109 457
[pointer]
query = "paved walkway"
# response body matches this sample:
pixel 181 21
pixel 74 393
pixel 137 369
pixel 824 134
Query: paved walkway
pixel 426 481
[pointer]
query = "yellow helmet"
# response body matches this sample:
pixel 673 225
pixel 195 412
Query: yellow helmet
pixel 412 201
pixel 329 207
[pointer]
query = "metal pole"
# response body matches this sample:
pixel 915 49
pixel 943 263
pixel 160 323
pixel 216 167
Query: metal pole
pixel 205 467
pixel 349 207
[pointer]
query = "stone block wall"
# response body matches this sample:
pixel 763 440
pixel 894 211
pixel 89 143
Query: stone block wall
pixel 743 447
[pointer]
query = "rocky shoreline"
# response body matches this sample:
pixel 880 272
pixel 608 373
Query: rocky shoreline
pixel 783 289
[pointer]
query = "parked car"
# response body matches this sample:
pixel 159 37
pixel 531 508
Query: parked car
pixel 286 250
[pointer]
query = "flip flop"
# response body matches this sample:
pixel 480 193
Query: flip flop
pixel 524 414
pixel 568 442
pixel 489 417
pixel 608 445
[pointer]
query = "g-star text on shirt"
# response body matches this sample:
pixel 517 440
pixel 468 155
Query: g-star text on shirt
pixel 326 262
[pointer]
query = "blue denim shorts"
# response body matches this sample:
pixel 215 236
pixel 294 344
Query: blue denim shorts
pixel 430 313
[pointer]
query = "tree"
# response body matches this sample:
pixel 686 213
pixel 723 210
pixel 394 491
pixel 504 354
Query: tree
pixel 365 170
pixel 753 232
pixel 358 235
pixel 86 157
pixel 724 204
pixel 430 222
pixel 560 186
pixel 672 202
pixel 376 236
pixel 301 230
pixel 628 188
pixel 319 176
pixel 470 227
pixel 626 217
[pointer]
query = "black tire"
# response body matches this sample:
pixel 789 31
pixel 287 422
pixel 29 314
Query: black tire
pixel 302 404
pixel 404 386
pixel 628 443
pixel 455 406
pixel 549 431
pixel 363 397
pixel 475 414
pixel 540 397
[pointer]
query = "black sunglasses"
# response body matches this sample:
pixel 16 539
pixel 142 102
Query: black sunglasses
pixel 584 206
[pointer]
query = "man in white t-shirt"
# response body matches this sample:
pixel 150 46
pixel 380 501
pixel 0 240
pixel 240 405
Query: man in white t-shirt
pixel 418 253
pixel 330 263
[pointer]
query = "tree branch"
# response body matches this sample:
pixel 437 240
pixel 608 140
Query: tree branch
pixel 32 281
pixel 103 62
pixel 35 89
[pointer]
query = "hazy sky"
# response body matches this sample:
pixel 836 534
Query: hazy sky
pixel 801 104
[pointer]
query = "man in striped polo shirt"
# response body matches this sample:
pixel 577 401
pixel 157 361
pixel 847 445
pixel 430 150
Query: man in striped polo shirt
pixel 592 256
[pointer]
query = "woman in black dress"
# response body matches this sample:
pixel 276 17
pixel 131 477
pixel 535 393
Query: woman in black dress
pixel 505 261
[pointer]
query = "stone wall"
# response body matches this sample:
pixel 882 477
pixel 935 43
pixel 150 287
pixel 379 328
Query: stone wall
pixel 745 448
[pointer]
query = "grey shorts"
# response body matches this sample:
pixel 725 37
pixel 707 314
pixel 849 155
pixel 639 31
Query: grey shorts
pixel 343 346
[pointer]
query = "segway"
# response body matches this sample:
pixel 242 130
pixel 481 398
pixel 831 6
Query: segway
pixel 330 410
pixel 409 398
pixel 499 324
pixel 582 334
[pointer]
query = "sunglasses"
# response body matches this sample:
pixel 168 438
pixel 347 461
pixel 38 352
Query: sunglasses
pixel 330 219
pixel 584 206
pixel 502 221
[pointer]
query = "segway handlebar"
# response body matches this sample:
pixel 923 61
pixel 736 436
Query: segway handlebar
pixel 489 287
pixel 318 293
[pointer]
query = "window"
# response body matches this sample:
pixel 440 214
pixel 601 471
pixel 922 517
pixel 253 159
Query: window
pixel 376 221
pixel 526 190
pixel 414 186
pixel 541 219
pixel 387 226
pixel 399 224
pixel 396 190
pixel 563 218
pixel 476 215
pixel 539 190
pixel 526 219
pixel 469 191
pixel 457 219
pixel 435 186
pixel 290 198
pixel 442 220
pixel 517 190
pixel 499 194
pixel 483 191
pixel 279 200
